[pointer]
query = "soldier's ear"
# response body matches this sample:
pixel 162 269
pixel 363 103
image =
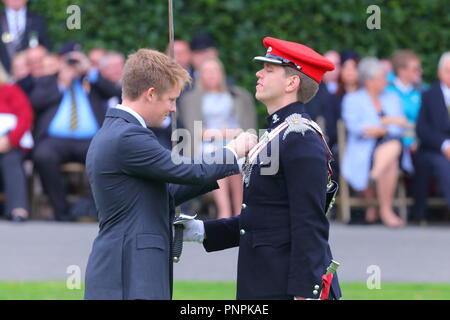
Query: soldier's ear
pixel 293 83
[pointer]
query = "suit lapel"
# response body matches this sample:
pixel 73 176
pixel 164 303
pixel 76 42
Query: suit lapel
pixel 3 22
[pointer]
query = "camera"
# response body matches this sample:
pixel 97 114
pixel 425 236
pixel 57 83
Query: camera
pixel 72 61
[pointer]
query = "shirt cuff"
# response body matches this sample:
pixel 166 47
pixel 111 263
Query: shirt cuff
pixel 445 145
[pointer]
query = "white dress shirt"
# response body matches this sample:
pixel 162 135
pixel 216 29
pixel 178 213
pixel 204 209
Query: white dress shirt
pixel 17 21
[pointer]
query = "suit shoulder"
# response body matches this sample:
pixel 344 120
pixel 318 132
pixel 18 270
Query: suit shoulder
pixel 431 91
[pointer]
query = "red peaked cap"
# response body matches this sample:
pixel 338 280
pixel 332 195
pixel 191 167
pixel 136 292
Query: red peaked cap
pixel 297 56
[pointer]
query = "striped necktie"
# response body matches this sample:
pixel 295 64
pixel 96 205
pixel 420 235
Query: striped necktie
pixel 73 110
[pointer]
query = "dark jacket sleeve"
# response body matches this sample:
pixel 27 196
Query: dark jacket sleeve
pixel 183 193
pixel 304 163
pixel 221 234
pixel 105 88
pixel 45 93
pixel 142 156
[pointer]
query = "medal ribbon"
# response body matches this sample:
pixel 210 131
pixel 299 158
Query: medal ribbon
pixel 265 139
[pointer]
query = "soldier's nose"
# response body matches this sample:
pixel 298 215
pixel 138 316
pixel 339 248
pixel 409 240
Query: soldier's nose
pixel 258 74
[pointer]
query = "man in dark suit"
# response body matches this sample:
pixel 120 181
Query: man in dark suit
pixel 137 183
pixel 433 132
pixel 20 29
pixel 282 231
pixel 69 108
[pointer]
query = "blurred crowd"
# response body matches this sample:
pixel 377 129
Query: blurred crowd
pixel 53 102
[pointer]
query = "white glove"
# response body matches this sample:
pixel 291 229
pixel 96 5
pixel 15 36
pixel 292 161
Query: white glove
pixel 194 230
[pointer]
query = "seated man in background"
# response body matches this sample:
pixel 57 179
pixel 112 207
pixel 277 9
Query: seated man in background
pixel 433 131
pixel 27 66
pixel 69 107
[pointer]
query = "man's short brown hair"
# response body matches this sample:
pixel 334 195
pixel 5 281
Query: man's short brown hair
pixel 149 68
pixel 308 87
pixel 401 58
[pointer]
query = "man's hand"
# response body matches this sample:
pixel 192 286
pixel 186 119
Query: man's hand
pixel 194 230
pixel 447 152
pixel 243 143
pixel 5 146
pixel 299 298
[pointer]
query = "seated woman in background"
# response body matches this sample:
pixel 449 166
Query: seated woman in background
pixel 374 120
pixel 347 83
pixel 224 112
pixel 16 118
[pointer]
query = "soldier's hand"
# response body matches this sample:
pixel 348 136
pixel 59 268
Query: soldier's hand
pixel 194 230
pixel 243 143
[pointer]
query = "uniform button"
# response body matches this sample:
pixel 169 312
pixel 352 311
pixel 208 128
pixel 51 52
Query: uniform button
pixel 242 232
pixel 244 206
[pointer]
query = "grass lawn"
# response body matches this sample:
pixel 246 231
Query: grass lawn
pixel 226 290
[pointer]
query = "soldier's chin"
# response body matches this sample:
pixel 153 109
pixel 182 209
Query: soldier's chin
pixel 259 96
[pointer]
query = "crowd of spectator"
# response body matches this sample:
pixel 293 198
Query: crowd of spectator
pixel 53 102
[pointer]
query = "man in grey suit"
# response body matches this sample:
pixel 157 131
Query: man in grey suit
pixel 136 183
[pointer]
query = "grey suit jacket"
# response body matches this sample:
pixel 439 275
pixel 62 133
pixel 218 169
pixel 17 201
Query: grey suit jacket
pixel 136 187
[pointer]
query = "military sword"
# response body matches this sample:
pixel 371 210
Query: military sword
pixel 172 55
pixel 178 225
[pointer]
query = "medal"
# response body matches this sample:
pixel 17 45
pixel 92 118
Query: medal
pixel 7 37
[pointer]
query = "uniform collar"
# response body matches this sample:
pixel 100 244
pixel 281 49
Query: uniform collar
pixel 280 115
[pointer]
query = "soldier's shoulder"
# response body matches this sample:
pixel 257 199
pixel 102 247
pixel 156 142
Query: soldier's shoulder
pixel 301 138
pixel 299 127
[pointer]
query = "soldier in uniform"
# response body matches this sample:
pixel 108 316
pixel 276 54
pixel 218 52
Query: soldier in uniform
pixel 282 231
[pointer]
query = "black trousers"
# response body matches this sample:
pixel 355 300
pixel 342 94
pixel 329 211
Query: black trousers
pixel 429 165
pixel 14 183
pixel 48 155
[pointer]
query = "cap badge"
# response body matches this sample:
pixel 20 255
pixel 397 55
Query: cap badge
pixel 269 49
pixel 275 118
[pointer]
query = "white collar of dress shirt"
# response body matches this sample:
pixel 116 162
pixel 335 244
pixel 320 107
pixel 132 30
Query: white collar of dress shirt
pixel 446 93
pixel 11 12
pixel 405 88
pixel 133 113
pixel 12 15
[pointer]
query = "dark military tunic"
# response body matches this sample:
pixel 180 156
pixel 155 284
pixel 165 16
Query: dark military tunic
pixel 282 231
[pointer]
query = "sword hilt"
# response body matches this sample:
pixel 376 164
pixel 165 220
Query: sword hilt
pixel 334 265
